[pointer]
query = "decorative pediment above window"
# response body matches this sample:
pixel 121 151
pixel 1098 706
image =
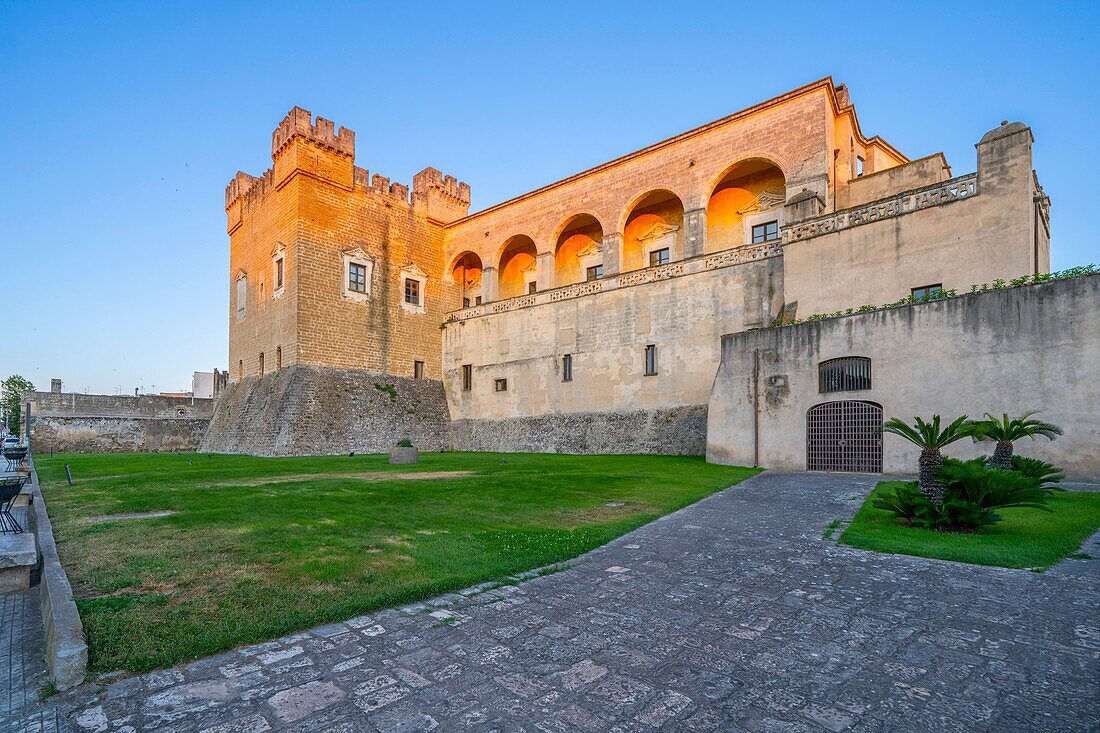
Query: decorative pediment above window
pixel 657 232
pixel 411 270
pixel 590 256
pixel 241 275
pixel 357 253
pixel 765 201
pixel 279 251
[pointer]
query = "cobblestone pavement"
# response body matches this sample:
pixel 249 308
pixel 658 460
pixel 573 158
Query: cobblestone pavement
pixel 731 615
pixel 22 665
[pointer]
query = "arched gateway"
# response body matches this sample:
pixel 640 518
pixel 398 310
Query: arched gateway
pixel 845 435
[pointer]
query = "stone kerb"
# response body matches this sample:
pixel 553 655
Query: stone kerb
pixel 66 649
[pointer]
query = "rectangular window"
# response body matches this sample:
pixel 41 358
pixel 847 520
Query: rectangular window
pixel 467 376
pixel 261 363
pixel 465 302
pixel 357 278
pixel 477 300
pixel 500 385
pixel 567 368
pixel 859 166
pixel 242 295
pixel 650 360
pixel 658 257
pixel 412 291
pixel 418 370
pixel 532 287
pixel 594 273
pixel 278 273
pixel 765 232
pixel 927 292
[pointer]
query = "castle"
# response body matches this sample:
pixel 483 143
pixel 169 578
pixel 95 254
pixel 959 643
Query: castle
pixel 589 314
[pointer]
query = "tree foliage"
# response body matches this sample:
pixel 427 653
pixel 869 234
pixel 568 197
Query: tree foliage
pixel 11 391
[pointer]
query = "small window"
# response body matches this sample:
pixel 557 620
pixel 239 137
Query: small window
pixel 240 369
pixel 261 291
pixel 765 232
pixel 357 277
pixel 594 273
pixel 418 370
pixel 650 360
pixel 477 300
pixel 567 368
pixel 278 357
pixel 465 302
pixel 261 363
pixel 412 291
pixel 845 374
pixel 859 166
pixel 658 257
pixel 242 295
pixel 500 385
pixel 279 273
pixel 532 287
pixel 927 292
pixel 467 376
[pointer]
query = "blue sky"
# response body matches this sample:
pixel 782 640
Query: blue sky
pixel 126 121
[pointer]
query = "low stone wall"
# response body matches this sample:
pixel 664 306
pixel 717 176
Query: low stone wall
pixel 66 649
pixel 74 404
pixel 312 410
pixel 98 434
pixel 671 431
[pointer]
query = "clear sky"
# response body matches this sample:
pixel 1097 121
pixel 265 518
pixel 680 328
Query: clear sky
pixel 124 122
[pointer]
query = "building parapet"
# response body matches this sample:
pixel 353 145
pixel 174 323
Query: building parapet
pixel 955 189
pixel 299 122
pixel 690 266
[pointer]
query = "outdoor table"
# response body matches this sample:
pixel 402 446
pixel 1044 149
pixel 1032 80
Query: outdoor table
pixel 10 486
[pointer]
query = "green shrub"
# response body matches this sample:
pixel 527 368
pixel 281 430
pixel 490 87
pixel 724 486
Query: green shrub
pixel 404 443
pixel 1044 472
pixel 972 494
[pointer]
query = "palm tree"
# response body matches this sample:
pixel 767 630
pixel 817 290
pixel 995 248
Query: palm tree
pixel 929 438
pixel 1005 431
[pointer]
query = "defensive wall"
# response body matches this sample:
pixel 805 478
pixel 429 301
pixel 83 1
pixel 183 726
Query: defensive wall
pixel 1014 350
pixel 311 410
pixel 81 423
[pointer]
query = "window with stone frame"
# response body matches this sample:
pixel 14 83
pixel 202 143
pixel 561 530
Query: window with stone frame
pixel 500 385
pixel 279 265
pixel 467 376
pixel 595 273
pixel 651 360
pixel 418 370
pixel 412 291
pixel 766 232
pixel 659 257
pixel 242 295
pixel 567 368
pixel 357 277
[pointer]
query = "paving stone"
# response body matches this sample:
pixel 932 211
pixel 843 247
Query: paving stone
pixel 731 615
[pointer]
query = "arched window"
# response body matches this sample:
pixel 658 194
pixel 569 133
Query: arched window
pixel 846 374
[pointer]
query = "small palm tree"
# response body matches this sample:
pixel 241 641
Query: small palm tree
pixel 930 439
pixel 1005 431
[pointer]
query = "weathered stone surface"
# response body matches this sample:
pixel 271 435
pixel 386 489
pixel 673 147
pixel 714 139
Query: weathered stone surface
pixel 732 615
pixel 307 410
pixel 673 431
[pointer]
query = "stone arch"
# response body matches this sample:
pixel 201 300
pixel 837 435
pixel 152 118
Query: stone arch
pixel 576 248
pixel 654 221
pixel 516 266
pixel 466 272
pixel 751 192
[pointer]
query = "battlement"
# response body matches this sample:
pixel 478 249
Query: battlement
pixel 244 186
pixel 299 122
pixel 448 186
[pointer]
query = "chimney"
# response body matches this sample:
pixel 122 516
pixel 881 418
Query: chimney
pixel 55 386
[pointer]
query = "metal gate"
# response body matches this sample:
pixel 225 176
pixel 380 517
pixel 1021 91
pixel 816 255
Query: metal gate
pixel 844 436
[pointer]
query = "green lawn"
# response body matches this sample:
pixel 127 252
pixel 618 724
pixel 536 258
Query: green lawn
pixel 1027 538
pixel 262 547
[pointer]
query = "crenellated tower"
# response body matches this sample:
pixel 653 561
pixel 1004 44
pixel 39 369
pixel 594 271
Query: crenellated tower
pixel 333 266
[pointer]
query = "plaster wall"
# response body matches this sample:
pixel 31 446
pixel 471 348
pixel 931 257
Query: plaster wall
pixel 1010 350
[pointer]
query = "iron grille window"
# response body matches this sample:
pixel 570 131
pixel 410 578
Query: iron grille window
pixel 418 370
pixel 765 232
pixel 500 385
pixel 658 257
pixel 357 278
pixel 927 291
pixel 650 360
pixel 412 291
pixel 567 368
pixel 467 376
pixel 594 273
pixel 845 374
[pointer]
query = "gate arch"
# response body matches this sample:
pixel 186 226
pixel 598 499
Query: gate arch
pixel 844 435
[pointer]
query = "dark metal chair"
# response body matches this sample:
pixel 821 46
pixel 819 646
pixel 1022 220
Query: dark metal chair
pixel 15 457
pixel 10 486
